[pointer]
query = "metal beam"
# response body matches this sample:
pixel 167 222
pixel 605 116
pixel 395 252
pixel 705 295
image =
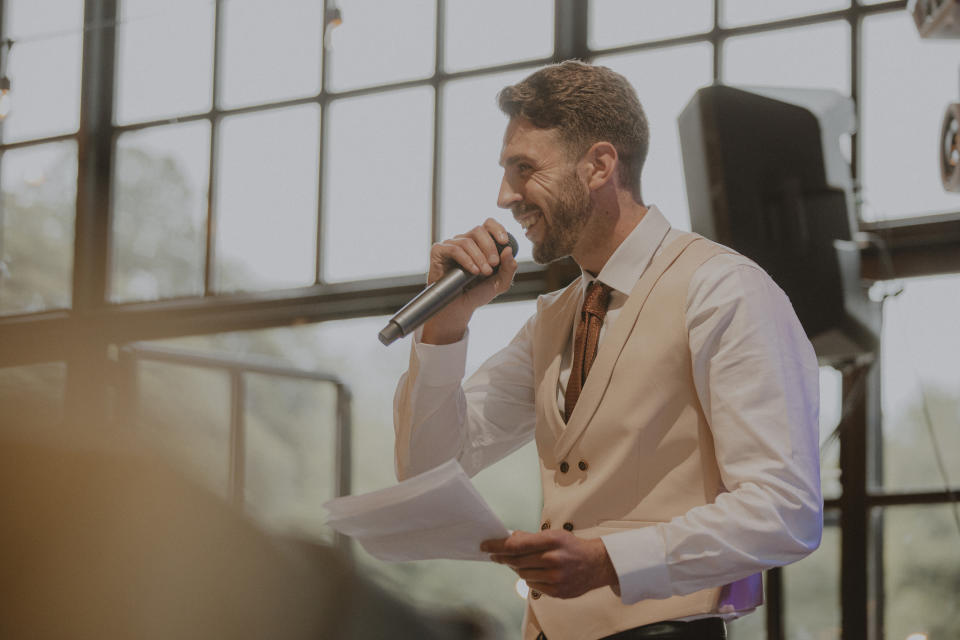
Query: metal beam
pixel 912 247
pixel 52 336
pixel 85 352
pixel 570 30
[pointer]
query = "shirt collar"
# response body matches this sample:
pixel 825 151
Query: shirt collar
pixel 630 259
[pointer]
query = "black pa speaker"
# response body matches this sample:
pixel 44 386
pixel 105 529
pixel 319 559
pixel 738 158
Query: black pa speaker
pixel 765 176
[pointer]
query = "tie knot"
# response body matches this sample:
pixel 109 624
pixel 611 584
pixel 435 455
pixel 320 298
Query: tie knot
pixel 597 299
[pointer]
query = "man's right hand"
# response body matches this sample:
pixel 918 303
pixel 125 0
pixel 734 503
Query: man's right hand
pixel 476 252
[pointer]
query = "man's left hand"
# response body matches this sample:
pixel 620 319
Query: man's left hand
pixel 556 563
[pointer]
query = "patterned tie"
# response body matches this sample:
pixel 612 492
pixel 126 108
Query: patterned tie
pixel 585 344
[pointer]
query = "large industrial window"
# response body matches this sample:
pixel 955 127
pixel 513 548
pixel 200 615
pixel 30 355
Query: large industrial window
pixel 208 173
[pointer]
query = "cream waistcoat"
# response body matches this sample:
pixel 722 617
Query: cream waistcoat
pixel 637 449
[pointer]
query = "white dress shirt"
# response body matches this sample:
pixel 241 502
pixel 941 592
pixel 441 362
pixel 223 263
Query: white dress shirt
pixel 757 380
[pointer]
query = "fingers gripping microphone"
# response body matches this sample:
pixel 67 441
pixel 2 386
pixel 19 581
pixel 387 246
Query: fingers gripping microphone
pixel 436 296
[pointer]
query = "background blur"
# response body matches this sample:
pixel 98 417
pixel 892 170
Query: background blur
pixel 210 207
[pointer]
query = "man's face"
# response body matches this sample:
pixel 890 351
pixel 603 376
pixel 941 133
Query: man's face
pixel 541 186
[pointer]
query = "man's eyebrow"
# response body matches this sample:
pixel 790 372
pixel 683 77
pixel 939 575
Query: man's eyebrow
pixel 512 160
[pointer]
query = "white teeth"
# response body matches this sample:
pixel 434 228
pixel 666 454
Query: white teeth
pixel 526 223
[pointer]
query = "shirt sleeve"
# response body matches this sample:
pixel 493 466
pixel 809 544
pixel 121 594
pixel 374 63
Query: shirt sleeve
pixel 437 416
pixel 757 379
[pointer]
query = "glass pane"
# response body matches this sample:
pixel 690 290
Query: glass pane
pixel 159 212
pixel 261 37
pixel 164 59
pixel 666 79
pixel 527 34
pixel 32 395
pixel 618 22
pixel 921 571
pixel 28 19
pixel 266 199
pixel 377 185
pixel 405 37
pixel 291 452
pixel 817 56
pixel 36 227
pixel 811 590
pixel 186 411
pixel 43 67
pixel 921 380
pixel 737 12
pixel 350 349
pixel 473 127
pixel 831 408
pixel 907 85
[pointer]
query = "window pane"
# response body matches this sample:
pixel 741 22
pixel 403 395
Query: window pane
pixel 618 22
pixel 350 349
pixel 164 59
pixel 831 401
pixel 271 50
pixel 40 18
pixel 377 185
pixel 159 212
pixel 291 452
pixel 186 411
pixel 266 199
pixel 921 379
pixel 404 33
pixel 817 56
pixel 737 12
pixel 665 80
pixel 473 129
pixel 36 227
pixel 527 34
pixel 32 395
pixel 921 571
pixel 811 590
pixel 43 67
pixel 907 85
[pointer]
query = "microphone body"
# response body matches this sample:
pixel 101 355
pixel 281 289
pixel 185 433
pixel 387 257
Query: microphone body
pixel 436 296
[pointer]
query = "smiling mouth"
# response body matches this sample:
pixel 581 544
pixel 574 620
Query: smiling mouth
pixel 528 220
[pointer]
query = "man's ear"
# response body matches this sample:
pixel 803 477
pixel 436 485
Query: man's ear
pixel 600 163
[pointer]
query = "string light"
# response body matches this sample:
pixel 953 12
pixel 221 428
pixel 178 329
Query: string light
pixel 332 18
pixel 6 99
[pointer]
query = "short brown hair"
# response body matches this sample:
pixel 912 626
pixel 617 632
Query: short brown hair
pixel 585 104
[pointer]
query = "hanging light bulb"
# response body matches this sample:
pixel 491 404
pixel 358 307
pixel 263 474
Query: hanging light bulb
pixel 332 19
pixel 6 100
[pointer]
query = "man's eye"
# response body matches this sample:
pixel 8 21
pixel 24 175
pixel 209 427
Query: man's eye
pixel 523 167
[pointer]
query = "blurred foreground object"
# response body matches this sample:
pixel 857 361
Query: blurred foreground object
pixel 101 539
pixel 936 18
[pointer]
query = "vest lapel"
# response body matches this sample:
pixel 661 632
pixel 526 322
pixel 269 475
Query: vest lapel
pixel 556 325
pixel 612 345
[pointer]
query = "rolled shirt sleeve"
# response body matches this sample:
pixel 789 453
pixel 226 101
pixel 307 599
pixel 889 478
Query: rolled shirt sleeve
pixel 438 416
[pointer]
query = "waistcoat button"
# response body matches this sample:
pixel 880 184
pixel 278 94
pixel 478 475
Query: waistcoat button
pixel 545 525
pixel 568 526
pixel 535 594
pixel 582 465
pixel 564 467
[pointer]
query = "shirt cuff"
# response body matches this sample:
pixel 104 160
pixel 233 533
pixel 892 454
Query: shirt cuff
pixel 440 364
pixel 639 558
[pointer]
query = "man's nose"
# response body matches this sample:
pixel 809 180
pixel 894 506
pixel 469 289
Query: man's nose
pixel 508 195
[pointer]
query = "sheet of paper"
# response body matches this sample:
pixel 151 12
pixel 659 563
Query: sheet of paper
pixel 437 514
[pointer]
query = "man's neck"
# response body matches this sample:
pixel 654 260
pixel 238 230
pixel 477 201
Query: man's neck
pixel 613 221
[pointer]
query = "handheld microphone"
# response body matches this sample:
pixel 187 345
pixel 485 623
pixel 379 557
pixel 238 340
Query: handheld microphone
pixel 436 296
